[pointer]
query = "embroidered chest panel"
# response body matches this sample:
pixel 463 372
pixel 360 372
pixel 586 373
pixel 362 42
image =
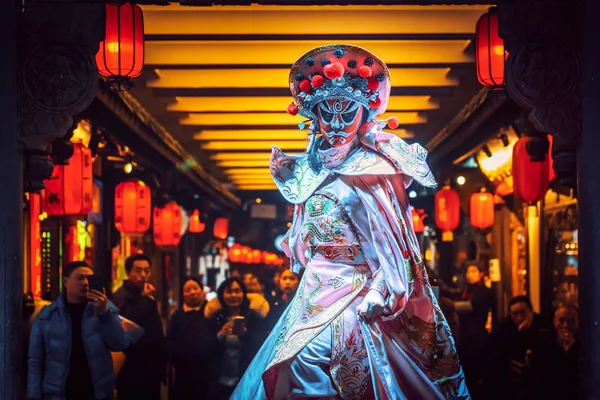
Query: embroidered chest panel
pixel 326 224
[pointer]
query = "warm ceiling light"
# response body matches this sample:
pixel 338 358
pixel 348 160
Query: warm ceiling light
pixel 275 104
pixel 252 134
pixel 258 200
pixel 461 180
pixel 241 156
pixel 247 171
pixel 257 145
pixel 245 52
pixel 243 163
pixel 280 118
pixel 275 20
pixel 257 187
pixel 278 78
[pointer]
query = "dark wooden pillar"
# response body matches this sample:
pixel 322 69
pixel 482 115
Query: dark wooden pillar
pixel 589 205
pixel 11 214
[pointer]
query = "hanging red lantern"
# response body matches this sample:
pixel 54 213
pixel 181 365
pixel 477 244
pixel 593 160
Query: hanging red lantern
pixel 530 178
pixel 167 225
pixel 551 173
pixel 133 207
pixel 69 189
pixel 489 48
pixel 196 226
pixel 235 253
pixel 256 256
pixel 447 209
pixel 418 225
pixel 121 54
pixel 482 210
pixel 221 228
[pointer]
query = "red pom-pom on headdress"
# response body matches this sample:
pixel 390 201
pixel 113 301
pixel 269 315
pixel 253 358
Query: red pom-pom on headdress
pixel 375 104
pixel 364 71
pixel 373 84
pixel 305 85
pixel 317 81
pixel 333 71
pixel 292 109
pixel 392 122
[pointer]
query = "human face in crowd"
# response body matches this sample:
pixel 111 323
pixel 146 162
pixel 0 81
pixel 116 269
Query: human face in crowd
pixel 248 279
pixel 473 275
pixel 254 286
pixel 520 312
pixel 288 283
pixel 566 322
pixel 339 120
pixel 276 278
pixel 233 296
pixel 140 273
pixel 77 285
pixel 193 294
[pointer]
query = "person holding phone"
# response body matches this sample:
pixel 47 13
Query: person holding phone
pixel 71 341
pixel 145 362
pixel 240 333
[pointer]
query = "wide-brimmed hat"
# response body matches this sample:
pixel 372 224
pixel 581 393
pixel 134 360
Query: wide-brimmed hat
pixel 339 71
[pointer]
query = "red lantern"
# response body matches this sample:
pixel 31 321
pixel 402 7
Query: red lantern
pixel 221 228
pixel 196 226
pixel 35 246
pixel 235 253
pixel 482 210
pixel 256 256
pixel 167 225
pixel 133 211
pixel 530 178
pixel 121 54
pixel 551 173
pixel 417 221
pixel 69 190
pixel 447 209
pixel 490 54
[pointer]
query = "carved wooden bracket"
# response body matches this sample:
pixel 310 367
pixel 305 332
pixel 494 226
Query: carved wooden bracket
pixel 542 72
pixel 57 75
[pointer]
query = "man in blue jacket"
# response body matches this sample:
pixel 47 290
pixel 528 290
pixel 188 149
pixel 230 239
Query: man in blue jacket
pixel 71 342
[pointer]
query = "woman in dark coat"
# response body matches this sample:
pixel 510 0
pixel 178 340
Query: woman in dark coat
pixel 192 344
pixel 240 333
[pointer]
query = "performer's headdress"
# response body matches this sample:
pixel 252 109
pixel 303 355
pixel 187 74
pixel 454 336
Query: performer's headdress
pixel 335 71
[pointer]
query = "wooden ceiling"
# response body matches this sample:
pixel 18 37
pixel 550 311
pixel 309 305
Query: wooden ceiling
pixel 217 77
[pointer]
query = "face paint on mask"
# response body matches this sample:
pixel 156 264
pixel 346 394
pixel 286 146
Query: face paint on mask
pixel 339 120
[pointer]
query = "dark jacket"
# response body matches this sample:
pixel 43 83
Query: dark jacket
pixel 50 350
pixel 552 373
pixel 145 362
pixel 193 346
pixel 505 356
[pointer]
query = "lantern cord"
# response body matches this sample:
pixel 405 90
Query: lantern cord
pixel 119 83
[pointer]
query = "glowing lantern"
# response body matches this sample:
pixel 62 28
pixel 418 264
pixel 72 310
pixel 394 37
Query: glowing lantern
pixel 551 173
pixel 196 226
pixel 482 210
pixel 256 256
pixel 530 178
pixel 490 54
pixel 447 209
pixel 221 228
pixel 133 207
pixel 167 225
pixel 235 253
pixel 418 225
pixel 121 54
pixel 246 255
pixel 69 189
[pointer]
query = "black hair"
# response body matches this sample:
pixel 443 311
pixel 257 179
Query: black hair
pixel 72 266
pixel 133 258
pixel 220 295
pixel 521 299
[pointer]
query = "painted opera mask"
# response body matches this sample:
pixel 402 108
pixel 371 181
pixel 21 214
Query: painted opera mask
pixel 339 120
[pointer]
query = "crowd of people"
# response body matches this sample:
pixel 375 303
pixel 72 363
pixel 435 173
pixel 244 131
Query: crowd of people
pixel 79 343
pixel 522 356
pixel 85 346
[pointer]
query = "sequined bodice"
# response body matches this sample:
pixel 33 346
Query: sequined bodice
pixel 327 233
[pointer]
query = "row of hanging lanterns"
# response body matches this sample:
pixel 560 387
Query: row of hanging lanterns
pixel 121 54
pixel 247 255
